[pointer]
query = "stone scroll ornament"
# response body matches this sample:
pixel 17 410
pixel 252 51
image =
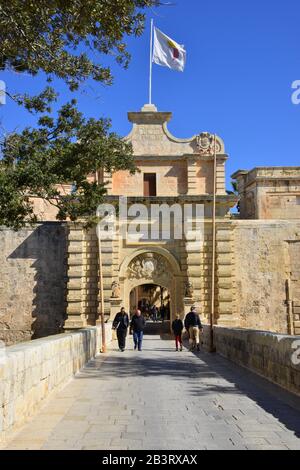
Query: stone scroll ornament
pixel 206 144
pixel 148 266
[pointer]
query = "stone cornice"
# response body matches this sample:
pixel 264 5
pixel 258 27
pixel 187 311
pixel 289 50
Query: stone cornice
pixel 177 158
pixel 182 199
pixel 149 117
pixel 207 158
pixel 239 173
pixel 269 172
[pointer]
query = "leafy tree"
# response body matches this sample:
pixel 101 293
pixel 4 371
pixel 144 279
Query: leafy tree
pixel 54 36
pixel 235 192
pixel 63 39
pixel 37 161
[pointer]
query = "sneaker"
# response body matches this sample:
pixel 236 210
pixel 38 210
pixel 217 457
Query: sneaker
pixel 135 347
pixel 176 349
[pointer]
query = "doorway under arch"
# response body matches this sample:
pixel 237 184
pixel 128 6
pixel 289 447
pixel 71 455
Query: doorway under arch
pixel 147 296
pixel 154 267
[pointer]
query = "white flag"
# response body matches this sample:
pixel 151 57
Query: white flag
pixel 167 52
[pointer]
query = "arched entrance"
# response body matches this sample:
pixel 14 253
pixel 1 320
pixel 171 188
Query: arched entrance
pixel 153 300
pixel 154 267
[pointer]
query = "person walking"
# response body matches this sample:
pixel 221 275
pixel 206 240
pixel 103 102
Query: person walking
pixel 154 313
pixel 177 327
pixel 194 326
pixel 120 325
pixel 137 326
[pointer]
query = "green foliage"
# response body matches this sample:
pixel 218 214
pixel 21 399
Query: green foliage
pixel 40 103
pixel 64 39
pixel 54 36
pixel 235 192
pixel 59 151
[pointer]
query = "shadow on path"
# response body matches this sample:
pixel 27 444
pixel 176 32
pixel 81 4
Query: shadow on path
pixel 205 376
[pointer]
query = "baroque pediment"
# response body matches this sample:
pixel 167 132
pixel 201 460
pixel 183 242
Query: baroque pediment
pixel 150 137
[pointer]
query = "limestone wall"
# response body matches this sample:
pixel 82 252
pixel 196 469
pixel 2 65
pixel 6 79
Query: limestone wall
pixel 171 178
pixel 255 261
pixel 30 372
pixel 269 193
pixel 264 254
pixel 275 357
pixel 83 276
pixel 32 282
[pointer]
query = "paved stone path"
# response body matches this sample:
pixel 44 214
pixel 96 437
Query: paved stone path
pixel 164 400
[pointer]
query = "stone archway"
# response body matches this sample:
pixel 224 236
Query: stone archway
pixel 154 266
pixel 146 296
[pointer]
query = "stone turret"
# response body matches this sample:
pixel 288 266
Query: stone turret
pixel 269 193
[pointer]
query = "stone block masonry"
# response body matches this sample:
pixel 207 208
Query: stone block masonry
pixel 254 262
pixel 266 255
pixel 275 357
pixel 30 372
pixel 33 278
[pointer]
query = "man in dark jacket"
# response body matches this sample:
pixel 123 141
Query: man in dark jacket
pixel 177 327
pixel 193 326
pixel 121 324
pixel 137 326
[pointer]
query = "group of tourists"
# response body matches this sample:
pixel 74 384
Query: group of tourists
pixel 137 325
pixel 151 311
pixel 192 324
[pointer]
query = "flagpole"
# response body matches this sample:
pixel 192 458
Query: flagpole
pixel 151 63
pixel 213 271
pixel 102 319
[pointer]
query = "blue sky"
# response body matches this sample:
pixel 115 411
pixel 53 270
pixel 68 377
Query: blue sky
pixel 242 57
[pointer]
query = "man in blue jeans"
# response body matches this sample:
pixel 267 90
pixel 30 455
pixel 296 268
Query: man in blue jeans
pixel 137 326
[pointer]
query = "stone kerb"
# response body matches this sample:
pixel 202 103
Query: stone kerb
pixel 32 371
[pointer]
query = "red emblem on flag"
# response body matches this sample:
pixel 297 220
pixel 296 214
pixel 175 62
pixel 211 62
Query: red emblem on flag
pixel 175 53
pixel 175 50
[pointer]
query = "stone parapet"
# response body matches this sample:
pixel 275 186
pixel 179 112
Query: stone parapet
pixel 274 357
pixel 31 372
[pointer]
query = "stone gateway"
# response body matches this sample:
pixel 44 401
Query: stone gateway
pixel 255 258
pixel 257 277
